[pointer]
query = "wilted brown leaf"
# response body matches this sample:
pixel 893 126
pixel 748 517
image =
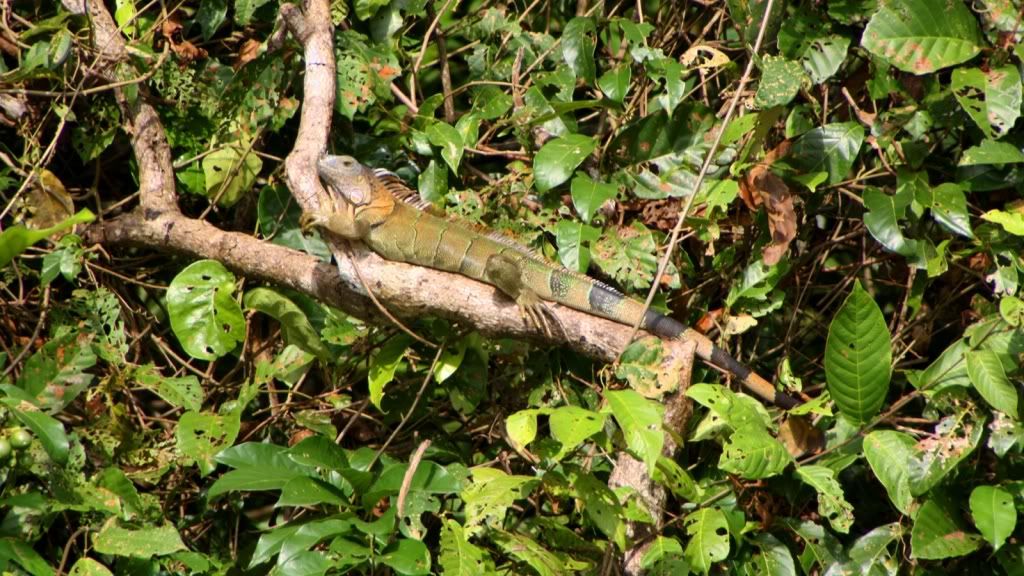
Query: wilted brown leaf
pixel 762 186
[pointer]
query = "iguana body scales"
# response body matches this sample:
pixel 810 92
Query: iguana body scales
pixel 369 206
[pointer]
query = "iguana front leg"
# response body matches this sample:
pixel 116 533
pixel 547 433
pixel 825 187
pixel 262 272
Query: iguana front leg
pixel 340 222
pixel 506 274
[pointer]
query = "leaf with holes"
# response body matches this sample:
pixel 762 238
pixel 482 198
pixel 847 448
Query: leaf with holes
pixel 205 316
pixel 922 36
pixel 992 99
pixel 753 453
pixel 858 357
pixel 832 504
pixel 708 530
pixel 230 172
pixel 949 208
pixel 823 57
pixel 571 425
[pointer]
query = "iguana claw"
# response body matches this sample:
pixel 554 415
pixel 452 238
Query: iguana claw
pixel 535 313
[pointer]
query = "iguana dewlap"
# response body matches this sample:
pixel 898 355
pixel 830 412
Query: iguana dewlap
pixel 376 208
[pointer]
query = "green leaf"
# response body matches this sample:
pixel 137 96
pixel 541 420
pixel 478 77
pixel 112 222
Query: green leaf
pixel 754 454
pixel 615 82
pixel 949 208
pixel 708 530
pixel 832 504
pixel 184 392
pixel 257 467
pixel 661 547
pixel 407 557
pixel 780 81
pixel 201 435
pixel 992 99
pixel 823 57
pixel 889 454
pixel 543 561
pixel 244 10
pixel 142 543
pixel 989 379
pixel 991 152
pixel 49 430
pixel 578 42
pixel 89 567
pixel 994 514
pixel 937 533
pixel 295 326
pixel 449 140
pixel 306 491
pixel 204 314
pixel 459 557
pixel 521 427
pixel 571 425
pixel 1012 222
pixel 558 159
pixel 832 148
pixel 588 195
pixel 21 553
pixel 1011 309
pixel 433 183
pixel 210 16
pixel 574 242
pixel 320 452
pixel 883 220
pixel 922 36
pixel 383 364
pixel 858 357
pixel 640 420
pixel 490 494
pixel 230 172
pixel 601 506
pixel 674 477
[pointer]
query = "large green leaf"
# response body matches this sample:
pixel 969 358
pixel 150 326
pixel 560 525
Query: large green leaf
pixel 831 148
pixel 141 543
pixel 937 533
pixel 204 314
pixel 558 159
pixel 922 36
pixel 49 430
pixel 588 195
pixel 989 379
pixel 994 514
pixel 754 454
pixel 858 357
pixel 640 420
pixel 889 454
pixel 708 530
pixel 574 241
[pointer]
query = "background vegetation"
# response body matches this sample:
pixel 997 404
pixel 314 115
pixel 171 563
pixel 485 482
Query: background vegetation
pixel 857 236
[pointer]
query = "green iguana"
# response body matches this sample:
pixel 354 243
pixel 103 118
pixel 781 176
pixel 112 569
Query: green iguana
pixel 378 209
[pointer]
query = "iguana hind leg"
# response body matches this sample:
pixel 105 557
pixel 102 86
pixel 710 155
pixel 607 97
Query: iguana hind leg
pixel 506 274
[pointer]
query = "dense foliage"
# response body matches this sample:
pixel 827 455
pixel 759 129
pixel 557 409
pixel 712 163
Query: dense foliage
pixel 858 237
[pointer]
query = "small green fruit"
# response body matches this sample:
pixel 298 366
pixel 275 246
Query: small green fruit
pixel 5 448
pixel 20 438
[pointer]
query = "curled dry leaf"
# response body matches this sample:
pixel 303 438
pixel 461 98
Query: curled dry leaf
pixel 762 186
pixel 184 50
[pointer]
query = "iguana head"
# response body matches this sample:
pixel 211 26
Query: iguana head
pixel 344 176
